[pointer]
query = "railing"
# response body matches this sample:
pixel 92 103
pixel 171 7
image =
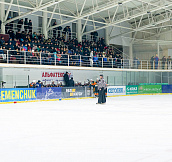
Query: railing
pixel 41 58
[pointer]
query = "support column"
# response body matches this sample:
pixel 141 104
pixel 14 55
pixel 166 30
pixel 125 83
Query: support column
pixel 79 34
pixel 107 35
pixel 158 49
pixel 44 24
pixel 2 15
pixel 131 54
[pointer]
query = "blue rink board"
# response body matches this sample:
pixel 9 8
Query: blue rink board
pixel 49 93
pixel 18 94
pixel 166 88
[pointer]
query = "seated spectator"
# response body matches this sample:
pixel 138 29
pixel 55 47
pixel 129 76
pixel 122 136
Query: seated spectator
pixel 2 41
pixel 32 84
pixel 29 57
pixel 2 55
pixel 71 82
pixel 96 61
pixel 25 47
pixel 38 84
pixel 34 36
pixel 53 84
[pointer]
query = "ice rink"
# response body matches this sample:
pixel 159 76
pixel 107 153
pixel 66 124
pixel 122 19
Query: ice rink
pixel 126 129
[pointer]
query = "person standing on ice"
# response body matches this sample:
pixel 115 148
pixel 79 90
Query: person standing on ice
pixel 101 88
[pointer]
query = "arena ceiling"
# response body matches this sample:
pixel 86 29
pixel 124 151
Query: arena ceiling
pixel 148 17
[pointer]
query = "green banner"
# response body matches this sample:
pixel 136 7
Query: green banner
pixel 131 89
pixel 146 89
pixel 153 84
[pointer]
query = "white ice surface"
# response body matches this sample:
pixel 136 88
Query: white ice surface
pixel 126 129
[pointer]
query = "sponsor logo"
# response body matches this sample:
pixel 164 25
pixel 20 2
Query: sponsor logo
pixel 56 74
pixel 141 88
pixel 76 94
pixel 132 88
pixel 70 90
pixel 116 90
pixel 48 93
pixel 53 74
pixel 18 94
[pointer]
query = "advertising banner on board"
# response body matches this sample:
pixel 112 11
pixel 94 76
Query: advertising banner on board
pixel 54 75
pixel 148 89
pixel 167 89
pixel 116 90
pixel 49 93
pixel 18 94
pixel 131 89
pixel 73 92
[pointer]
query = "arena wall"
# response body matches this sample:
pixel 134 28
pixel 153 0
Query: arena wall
pixel 20 75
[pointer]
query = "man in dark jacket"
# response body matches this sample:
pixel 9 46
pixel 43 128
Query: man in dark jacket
pixel 19 25
pixel 53 84
pixel 163 62
pixel 71 82
pixel 102 88
pixel 66 79
pixel 59 30
pixel 54 29
pixel 30 26
pixel 152 62
pixel 38 84
pixel 2 41
pixel 26 25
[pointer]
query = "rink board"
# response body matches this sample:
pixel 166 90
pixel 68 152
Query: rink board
pixel 51 93
pixel 18 94
pixel 116 90
pixel 58 93
pixel 167 89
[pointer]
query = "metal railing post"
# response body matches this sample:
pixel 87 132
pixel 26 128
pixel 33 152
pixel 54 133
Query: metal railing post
pixel 147 65
pixel 85 91
pixel 7 57
pixel 40 58
pixel 121 64
pixel 68 60
pixel 141 64
pixel 24 57
pixel 102 62
pixel 159 67
pixel 153 64
pixel 80 60
pixel 55 59
pixel 112 62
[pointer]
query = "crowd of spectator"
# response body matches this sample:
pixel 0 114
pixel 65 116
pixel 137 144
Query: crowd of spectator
pixel 41 84
pixel 165 61
pixel 155 62
pixel 56 49
pixel 62 47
